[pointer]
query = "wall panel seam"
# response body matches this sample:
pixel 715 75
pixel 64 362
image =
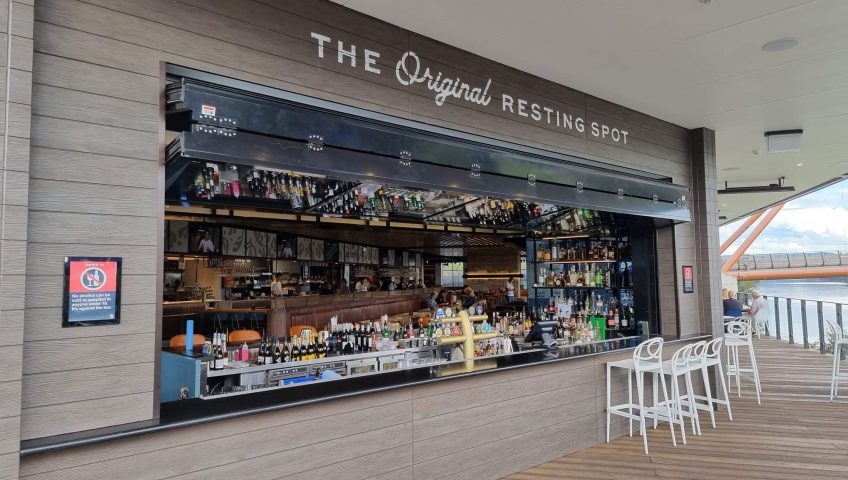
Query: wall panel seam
pixel 83 400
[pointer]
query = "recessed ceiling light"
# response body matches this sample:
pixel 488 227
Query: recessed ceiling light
pixel 781 44
pixel 799 164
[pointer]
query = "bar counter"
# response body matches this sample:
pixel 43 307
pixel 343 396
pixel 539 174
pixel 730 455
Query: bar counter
pixel 190 412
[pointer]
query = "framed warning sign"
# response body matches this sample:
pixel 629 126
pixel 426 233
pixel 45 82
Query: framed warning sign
pixel 688 279
pixel 92 292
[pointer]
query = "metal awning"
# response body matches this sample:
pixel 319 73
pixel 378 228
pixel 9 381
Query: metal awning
pixel 220 122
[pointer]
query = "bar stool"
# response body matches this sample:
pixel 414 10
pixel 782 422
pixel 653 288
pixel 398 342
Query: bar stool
pixel 180 340
pixel 840 344
pixel 681 365
pixel 710 356
pixel 738 334
pixel 647 358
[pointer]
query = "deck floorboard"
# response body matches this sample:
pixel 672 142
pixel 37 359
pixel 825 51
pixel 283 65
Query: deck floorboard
pixel 796 432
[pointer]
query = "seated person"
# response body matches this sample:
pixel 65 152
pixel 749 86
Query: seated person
pixel 732 306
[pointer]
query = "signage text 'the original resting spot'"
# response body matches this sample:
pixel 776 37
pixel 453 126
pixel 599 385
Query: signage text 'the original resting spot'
pixel 410 71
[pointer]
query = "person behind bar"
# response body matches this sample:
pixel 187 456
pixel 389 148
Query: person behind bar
pixel 432 303
pixel 510 290
pixel 732 306
pixel 276 287
pixel 469 299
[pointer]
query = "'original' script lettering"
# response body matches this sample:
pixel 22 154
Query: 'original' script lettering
pixel 408 72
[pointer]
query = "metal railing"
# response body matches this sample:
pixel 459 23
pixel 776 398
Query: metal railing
pixel 789 260
pixel 800 320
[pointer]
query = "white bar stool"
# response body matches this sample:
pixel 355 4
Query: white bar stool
pixel 736 336
pixel 840 344
pixel 710 356
pixel 681 365
pixel 647 358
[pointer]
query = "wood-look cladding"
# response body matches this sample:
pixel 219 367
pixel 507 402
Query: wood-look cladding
pixel 95 133
pixel 15 84
pixel 477 427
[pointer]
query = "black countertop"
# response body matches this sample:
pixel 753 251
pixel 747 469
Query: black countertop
pixel 195 411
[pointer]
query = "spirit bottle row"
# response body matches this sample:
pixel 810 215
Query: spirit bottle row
pixel 585 275
pixel 580 251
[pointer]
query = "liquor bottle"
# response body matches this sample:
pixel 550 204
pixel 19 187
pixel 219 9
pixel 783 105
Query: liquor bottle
pixel 311 352
pixel 219 358
pixel 224 337
pixel 213 364
pixel 295 353
pixel 321 349
pixel 278 354
pixel 347 347
pixel 285 355
pixel 260 357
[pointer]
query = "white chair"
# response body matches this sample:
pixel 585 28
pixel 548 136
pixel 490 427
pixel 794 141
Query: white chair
pixel 647 358
pixel 710 356
pixel 736 336
pixel 759 322
pixel 840 344
pixel 679 366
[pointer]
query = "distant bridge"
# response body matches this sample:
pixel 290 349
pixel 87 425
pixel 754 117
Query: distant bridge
pixel 773 266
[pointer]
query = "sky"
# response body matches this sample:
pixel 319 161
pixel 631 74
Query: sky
pixel 815 222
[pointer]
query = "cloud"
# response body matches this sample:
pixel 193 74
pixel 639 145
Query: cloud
pixel 821 220
pixel 815 222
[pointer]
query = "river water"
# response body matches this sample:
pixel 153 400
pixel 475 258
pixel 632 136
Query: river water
pixel 832 292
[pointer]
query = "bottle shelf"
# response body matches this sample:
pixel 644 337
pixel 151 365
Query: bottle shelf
pixel 484 336
pixel 559 262
pixel 563 287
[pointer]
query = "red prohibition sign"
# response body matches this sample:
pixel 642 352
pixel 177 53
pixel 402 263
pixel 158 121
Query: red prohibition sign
pixel 93 278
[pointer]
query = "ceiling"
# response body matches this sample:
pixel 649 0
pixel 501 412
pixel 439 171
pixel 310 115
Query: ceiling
pixel 696 63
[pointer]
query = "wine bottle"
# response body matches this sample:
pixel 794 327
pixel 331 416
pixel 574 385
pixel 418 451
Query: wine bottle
pixel 310 350
pixel 277 356
pixel 295 352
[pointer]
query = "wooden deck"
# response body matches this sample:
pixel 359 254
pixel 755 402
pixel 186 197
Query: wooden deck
pixel 797 433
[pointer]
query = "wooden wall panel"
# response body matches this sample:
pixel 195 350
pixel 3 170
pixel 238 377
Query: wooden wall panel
pixel 87 352
pixel 77 416
pixel 87 384
pixel 491 425
pixel 15 75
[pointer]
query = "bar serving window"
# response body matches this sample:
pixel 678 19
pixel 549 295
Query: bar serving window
pixel 330 248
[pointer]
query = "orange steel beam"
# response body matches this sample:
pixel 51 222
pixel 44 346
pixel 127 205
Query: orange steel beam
pixel 753 236
pixel 739 231
pixel 790 273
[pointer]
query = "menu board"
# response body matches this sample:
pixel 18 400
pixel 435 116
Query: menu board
pixel 92 291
